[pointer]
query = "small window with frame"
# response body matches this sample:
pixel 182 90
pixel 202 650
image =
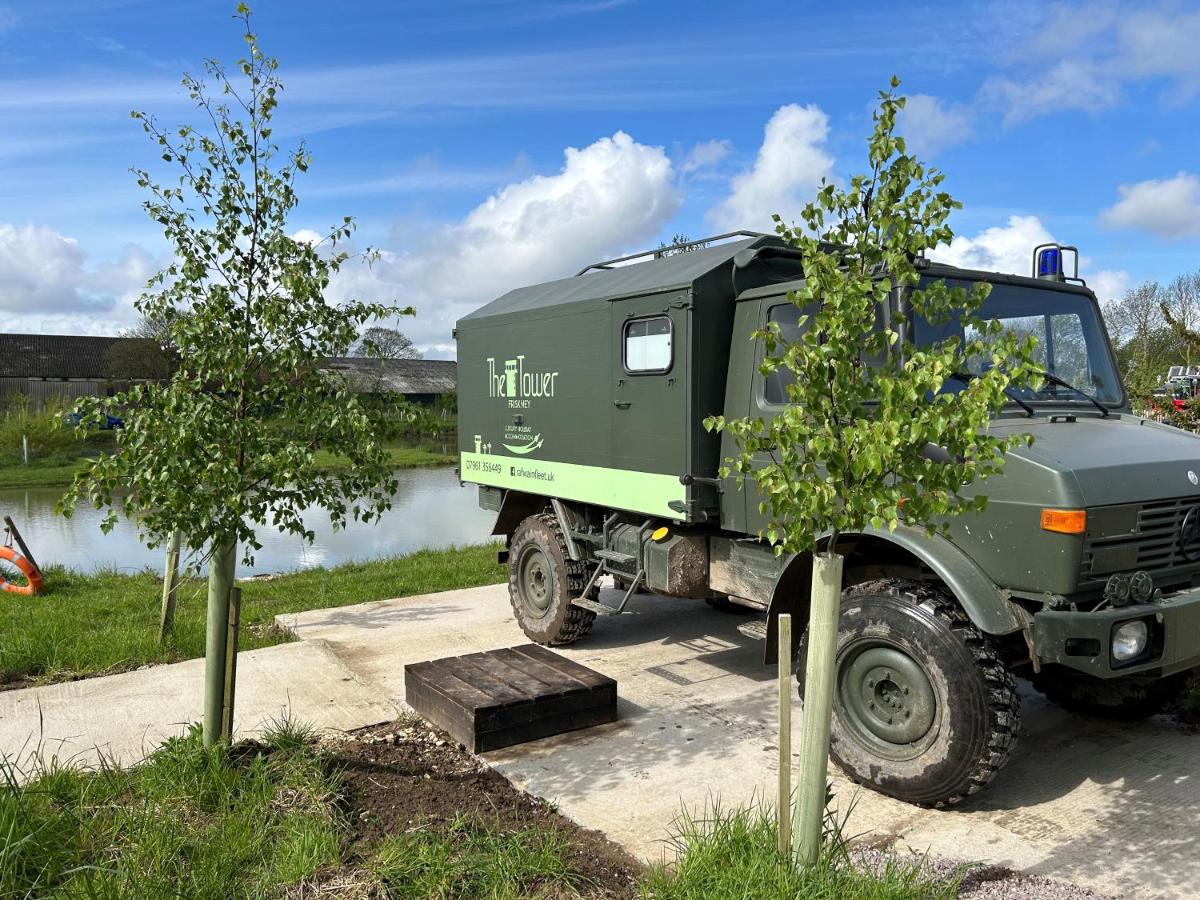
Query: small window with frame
pixel 787 317
pixel 648 346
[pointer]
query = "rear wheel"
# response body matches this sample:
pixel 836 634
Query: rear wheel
pixel 924 710
pixel 542 581
pixel 1126 698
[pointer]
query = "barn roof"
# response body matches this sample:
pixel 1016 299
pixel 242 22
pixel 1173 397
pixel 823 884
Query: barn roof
pixel 56 355
pixel 403 376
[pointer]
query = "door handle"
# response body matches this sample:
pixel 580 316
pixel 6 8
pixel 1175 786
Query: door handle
pixel 622 404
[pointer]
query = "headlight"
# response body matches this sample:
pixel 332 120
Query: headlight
pixel 1129 640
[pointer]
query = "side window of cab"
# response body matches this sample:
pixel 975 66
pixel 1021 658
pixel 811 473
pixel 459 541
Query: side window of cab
pixel 787 316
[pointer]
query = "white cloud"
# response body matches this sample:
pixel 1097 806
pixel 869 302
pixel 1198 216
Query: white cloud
pixel 609 197
pixel 1085 55
pixel 929 125
pixel 1168 207
pixel 1109 284
pixel 307 236
pixel 1008 248
pixel 705 155
pixel 44 279
pixel 1003 248
pixel 791 164
pixel 1071 84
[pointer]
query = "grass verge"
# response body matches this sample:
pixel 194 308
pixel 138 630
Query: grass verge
pixel 732 854
pixel 96 624
pixel 58 471
pixel 391 813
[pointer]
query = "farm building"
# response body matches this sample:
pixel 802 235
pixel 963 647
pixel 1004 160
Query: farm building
pixel 50 368
pixel 418 380
pixel 56 367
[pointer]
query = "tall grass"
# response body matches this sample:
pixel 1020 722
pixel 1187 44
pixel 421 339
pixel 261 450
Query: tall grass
pixel 91 624
pixel 731 854
pixel 188 822
pixel 471 858
pixel 49 442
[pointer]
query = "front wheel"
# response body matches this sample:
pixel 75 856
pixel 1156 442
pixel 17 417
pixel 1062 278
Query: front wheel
pixel 924 710
pixel 543 580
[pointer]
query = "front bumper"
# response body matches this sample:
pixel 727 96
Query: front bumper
pixel 1083 640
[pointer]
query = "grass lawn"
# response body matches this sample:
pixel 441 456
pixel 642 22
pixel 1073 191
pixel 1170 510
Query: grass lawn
pixel 59 470
pixel 374 818
pixel 92 624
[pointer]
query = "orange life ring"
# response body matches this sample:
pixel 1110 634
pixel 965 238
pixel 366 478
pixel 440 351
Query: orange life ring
pixel 28 569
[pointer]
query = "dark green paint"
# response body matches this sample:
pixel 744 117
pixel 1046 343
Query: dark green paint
pixel 1009 575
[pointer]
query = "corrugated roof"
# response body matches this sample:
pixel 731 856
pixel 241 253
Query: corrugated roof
pixel 652 276
pixel 57 355
pixel 404 376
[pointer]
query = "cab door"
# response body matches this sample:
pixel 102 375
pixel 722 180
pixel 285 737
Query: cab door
pixel 768 395
pixel 650 365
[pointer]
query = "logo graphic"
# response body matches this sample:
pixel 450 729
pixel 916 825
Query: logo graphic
pixel 534 442
pixel 518 385
pixel 1192 477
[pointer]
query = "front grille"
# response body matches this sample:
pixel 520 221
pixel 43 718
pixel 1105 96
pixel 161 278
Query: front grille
pixel 1152 547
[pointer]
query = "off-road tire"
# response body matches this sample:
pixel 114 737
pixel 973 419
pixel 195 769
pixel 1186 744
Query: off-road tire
pixel 897 634
pixel 1127 699
pixel 542 581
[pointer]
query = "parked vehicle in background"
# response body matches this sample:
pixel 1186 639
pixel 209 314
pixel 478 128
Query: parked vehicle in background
pixel 581 410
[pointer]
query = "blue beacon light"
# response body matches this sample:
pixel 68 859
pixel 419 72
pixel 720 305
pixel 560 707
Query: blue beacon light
pixel 1049 262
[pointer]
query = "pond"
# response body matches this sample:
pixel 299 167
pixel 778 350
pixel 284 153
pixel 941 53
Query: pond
pixel 430 509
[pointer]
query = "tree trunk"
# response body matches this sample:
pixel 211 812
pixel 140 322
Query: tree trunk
pixel 819 679
pixel 220 581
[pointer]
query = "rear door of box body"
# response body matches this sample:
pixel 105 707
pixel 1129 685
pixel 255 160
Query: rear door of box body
pixel 650 399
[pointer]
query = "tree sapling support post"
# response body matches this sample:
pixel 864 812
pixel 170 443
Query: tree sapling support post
pixel 231 645
pixel 819 676
pixel 784 807
pixel 220 581
pixel 170 587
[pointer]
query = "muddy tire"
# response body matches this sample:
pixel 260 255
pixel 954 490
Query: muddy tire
pixel 924 709
pixel 542 581
pixel 1128 698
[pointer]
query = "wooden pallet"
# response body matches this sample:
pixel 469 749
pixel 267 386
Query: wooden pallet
pixel 505 697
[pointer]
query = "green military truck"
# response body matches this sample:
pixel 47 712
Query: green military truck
pixel 581 410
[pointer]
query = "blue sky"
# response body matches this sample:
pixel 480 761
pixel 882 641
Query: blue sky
pixel 489 143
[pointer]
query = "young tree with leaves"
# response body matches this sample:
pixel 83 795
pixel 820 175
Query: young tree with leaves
pixel 876 431
pixel 226 446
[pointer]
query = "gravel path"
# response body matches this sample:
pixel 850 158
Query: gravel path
pixel 988 882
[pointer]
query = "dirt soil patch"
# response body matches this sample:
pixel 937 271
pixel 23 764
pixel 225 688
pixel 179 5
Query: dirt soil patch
pixel 406 776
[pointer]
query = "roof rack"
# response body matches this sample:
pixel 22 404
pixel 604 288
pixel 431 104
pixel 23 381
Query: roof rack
pixel 658 254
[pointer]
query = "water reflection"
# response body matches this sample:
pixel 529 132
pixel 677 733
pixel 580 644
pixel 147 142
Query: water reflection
pixel 429 510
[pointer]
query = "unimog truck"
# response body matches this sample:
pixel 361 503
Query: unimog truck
pixel 581 411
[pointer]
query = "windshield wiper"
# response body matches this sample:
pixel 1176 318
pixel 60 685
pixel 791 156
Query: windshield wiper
pixel 968 377
pixel 1054 379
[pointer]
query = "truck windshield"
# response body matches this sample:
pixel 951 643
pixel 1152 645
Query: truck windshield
pixel 1070 341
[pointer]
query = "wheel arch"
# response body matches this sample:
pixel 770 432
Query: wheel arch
pixel 906 552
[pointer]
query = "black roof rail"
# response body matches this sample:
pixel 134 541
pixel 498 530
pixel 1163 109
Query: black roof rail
pixel 657 254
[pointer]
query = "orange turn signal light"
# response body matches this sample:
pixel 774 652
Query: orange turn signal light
pixel 1064 521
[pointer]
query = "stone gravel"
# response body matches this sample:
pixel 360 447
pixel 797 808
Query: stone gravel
pixel 986 882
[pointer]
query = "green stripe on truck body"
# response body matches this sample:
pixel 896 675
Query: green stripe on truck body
pixel 642 492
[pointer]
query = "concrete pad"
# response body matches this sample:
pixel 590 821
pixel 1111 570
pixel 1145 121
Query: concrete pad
pixel 1114 807
pixel 123 717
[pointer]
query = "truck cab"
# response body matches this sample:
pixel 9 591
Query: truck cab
pixel 582 405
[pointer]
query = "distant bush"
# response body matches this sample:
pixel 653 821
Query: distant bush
pixel 47 437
